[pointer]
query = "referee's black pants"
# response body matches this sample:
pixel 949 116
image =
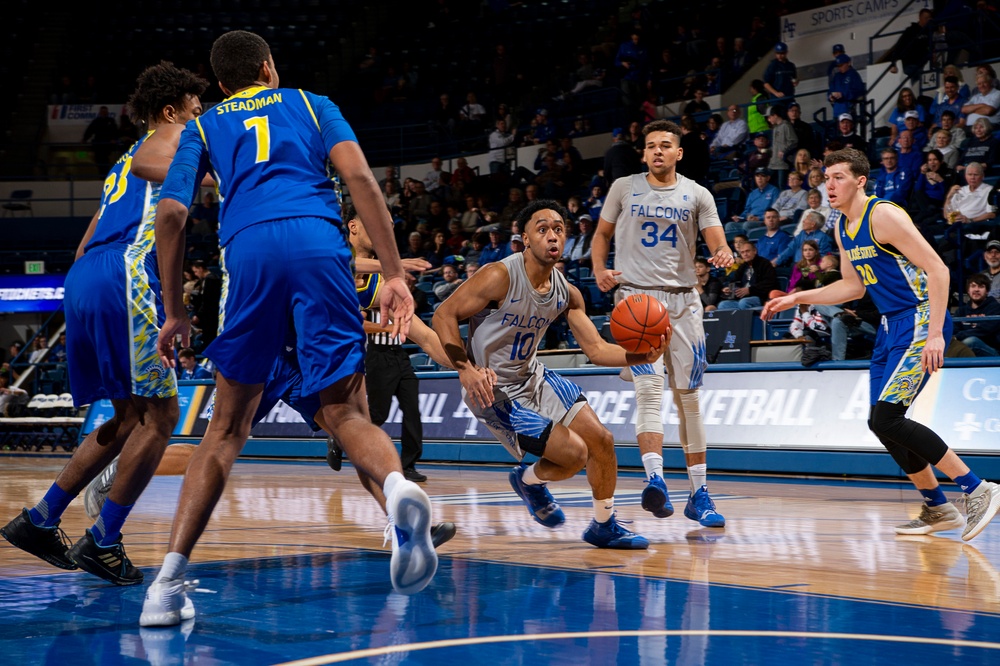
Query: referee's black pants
pixel 389 373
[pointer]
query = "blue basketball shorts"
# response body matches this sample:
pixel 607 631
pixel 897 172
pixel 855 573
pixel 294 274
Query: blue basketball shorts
pixel 285 275
pixel 113 317
pixel 895 374
pixel 285 384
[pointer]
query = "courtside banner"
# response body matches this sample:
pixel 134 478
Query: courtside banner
pixel 804 410
pixel 31 293
pixel 190 399
pixel 68 122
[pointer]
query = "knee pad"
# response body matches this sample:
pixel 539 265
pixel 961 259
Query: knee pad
pixel 692 430
pixel 911 444
pixel 648 400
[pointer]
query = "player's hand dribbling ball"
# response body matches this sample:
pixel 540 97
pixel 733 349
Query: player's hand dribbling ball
pixel 638 322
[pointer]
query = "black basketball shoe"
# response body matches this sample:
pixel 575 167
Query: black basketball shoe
pixel 442 533
pixel 107 562
pixel 47 543
pixel 334 454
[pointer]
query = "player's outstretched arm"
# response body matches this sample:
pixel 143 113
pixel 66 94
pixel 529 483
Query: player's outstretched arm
pixel 597 349
pixel 600 246
pixel 488 285
pixel 892 226
pixel 849 288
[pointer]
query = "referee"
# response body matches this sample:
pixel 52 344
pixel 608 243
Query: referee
pixel 389 373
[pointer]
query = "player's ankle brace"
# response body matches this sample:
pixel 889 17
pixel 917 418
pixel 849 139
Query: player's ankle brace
pixel 648 399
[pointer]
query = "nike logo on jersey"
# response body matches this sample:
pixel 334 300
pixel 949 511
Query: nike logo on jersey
pixel 637 194
pixel 514 300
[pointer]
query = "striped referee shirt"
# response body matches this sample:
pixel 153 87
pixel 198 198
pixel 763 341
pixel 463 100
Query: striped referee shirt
pixel 381 339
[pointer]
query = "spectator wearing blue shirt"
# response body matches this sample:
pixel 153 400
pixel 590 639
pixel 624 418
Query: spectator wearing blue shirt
pixel 846 86
pixel 812 224
pixel 774 242
pixel 781 76
pixel 496 250
pixel 632 61
pixel 950 99
pixel 916 131
pixel 893 183
pixel 758 201
pixel 189 366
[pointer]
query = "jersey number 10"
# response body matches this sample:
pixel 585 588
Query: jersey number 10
pixel 522 347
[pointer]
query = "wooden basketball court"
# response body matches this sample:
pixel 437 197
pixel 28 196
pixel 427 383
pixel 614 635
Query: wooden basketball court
pixel 292 569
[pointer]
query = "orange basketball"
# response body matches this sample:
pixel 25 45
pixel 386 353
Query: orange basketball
pixel 638 321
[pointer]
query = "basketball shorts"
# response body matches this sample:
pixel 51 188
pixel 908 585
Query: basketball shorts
pixel 113 318
pixel 895 374
pixel 285 384
pixel 686 358
pixel 522 420
pixel 292 274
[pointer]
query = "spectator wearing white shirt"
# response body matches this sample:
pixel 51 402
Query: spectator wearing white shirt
pixel 432 179
pixel 499 139
pixel 970 203
pixel 791 200
pixel 984 104
pixel 728 142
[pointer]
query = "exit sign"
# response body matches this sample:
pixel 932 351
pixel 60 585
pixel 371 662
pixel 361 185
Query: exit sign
pixel 34 267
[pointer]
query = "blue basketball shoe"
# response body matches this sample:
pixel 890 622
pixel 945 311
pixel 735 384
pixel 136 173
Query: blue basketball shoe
pixel 655 498
pixel 612 535
pixel 541 505
pixel 701 509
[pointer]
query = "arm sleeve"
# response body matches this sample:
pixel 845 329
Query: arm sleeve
pixel 332 125
pixel 189 166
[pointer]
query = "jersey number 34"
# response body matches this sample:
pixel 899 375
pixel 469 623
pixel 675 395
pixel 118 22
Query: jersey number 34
pixel 653 236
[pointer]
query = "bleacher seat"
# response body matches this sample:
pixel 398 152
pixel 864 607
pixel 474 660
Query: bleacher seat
pixel 422 362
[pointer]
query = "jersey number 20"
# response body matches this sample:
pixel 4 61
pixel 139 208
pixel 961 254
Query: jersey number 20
pixel 653 235
pixel 867 274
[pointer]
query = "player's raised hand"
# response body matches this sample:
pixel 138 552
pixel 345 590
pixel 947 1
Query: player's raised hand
pixel 932 357
pixel 776 305
pixel 607 279
pixel 172 327
pixel 397 306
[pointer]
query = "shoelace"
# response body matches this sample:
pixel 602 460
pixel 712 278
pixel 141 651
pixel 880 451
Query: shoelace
pixel 974 505
pixel 59 537
pixel 390 525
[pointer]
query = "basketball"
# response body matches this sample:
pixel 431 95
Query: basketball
pixel 637 323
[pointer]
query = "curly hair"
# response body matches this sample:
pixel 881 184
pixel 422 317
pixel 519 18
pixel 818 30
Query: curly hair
pixel 537 205
pixel 236 58
pixel 159 86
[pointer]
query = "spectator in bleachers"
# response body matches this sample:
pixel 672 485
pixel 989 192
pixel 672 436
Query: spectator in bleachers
pixel 941 142
pixel 472 114
pixel 846 87
pixel 620 159
pixel 472 217
pixel 969 204
pixel 982 338
pixel 697 108
pixel 831 67
pixel 740 60
pixel 516 244
pixel 499 140
pixel 391 194
pixel 457 239
pixel 949 122
pixel 791 200
pixel 982 147
pixel 782 143
pixel 758 158
pixel 803 130
pixel 595 202
pixel 733 133
pixel 893 183
pixel 10 397
pixel 814 203
pixel 916 129
pixel 632 61
pixel 696 158
pixel 757 108
pixel 708 286
pixel 635 138
pixel 802 164
pixel 496 250
pixel 850 320
pixel 711 128
pixel 913 47
pixel 445 117
pixel 910 158
pixel 781 75
pixel 817 181
pixel 929 192
pixel 905 101
pixel 758 201
pixel 752 282
pixel 57 354
pixel 390 175
pixel 39 349
pixel 948 99
pixel 847 135
pixel 432 179
pixel 991 255
pixel 102 135
pixel 984 103
pixel 773 243
pixel 473 252
pixel 205 303
pixel 805 271
pixel 577 249
pixel 419 205
pixel 812 230
pixel 463 172
pixel 450 282
pixel 666 76
pixel 189 366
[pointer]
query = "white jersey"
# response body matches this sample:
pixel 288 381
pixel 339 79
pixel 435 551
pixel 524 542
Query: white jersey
pixel 656 230
pixel 505 339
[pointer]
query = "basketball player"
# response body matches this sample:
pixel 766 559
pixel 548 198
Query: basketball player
pixel 532 409
pixel 285 260
pixel 112 318
pixel 909 284
pixel 655 218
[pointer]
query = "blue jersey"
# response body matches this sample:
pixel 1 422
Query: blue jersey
pixel 368 288
pixel 268 150
pixel 128 207
pixel 894 282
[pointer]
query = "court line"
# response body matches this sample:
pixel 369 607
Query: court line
pixel 569 635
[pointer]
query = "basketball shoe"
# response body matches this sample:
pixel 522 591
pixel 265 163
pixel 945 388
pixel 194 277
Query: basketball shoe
pixel 414 560
pixel 47 543
pixel 980 507
pixel 442 533
pixel 655 498
pixel 541 505
pixel 334 454
pixel 613 535
pixel 98 489
pixel 107 562
pixel 701 508
pixel 167 603
pixel 933 519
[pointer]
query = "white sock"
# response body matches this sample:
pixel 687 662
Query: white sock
pixel 698 475
pixel 530 477
pixel 653 462
pixel 604 509
pixel 174 566
pixel 390 483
